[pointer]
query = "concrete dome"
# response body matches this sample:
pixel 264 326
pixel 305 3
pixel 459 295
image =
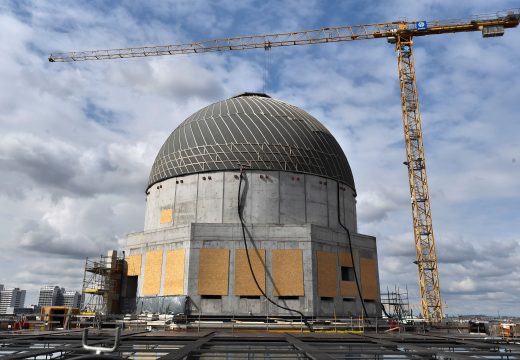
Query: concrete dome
pixel 255 130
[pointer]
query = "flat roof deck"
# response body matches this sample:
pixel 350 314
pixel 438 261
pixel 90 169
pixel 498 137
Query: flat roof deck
pixel 255 344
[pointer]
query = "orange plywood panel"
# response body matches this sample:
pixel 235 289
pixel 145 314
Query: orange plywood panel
pixel 288 272
pixel 348 289
pixel 244 282
pixel 133 263
pixel 345 259
pixel 213 271
pixel 166 216
pixel 327 269
pixel 174 272
pixel 152 273
pixel 369 278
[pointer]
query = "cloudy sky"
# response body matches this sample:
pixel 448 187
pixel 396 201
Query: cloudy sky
pixel 77 140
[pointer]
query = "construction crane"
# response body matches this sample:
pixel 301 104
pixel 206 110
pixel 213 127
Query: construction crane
pixel 400 33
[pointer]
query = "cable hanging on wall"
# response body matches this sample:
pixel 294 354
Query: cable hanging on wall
pixel 240 210
pixel 351 256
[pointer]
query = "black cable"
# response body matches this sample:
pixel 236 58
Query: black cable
pixel 242 175
pixel 384 310
pixel 351 256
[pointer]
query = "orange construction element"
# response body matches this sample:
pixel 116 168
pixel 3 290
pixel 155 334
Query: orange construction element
pixel 174 272
pixel 288 272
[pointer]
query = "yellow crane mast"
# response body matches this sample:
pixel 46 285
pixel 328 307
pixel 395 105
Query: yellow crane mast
pixel 400 33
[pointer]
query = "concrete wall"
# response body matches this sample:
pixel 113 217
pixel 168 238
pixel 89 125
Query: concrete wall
pixel 309 238
pixel 282 210
pixel 272 197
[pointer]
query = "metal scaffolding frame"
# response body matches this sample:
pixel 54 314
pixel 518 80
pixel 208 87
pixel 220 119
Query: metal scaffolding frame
pixel 316 346
pixel 396 303
pixel 101 284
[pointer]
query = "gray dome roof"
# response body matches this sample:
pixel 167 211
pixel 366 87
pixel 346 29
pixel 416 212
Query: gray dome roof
pixel 252 129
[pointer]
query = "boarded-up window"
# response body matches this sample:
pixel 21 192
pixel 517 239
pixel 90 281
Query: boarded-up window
pixel 327 279
pixel 347 288
pixel 244 282
pixel 213 271
pixel 369 278
pixel 152 273
pixel 174 272
pixel 133 263
pixel 288 273
pixel 166 216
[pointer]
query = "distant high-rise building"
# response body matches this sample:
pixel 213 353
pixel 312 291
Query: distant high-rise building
pixel 49 296
pixel 71 299
pixel 58 296
pixel 11 298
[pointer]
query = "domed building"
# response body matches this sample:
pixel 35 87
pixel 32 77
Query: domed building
pixel 296 194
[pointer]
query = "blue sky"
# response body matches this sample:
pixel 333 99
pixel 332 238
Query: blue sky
pixel 77 140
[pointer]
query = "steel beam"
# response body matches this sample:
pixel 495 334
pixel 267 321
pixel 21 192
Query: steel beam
pixel 309 350
pixel 189 348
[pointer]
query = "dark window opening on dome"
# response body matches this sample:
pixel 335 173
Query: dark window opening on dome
pixel 288 297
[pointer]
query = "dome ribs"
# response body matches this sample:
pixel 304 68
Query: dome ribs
pixel 256 130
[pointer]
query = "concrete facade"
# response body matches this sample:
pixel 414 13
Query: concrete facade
pixel 282 210
pixel 49 296
pixel 11 298
pixel 272 197
pixel 72 299
pixel 296 183
pixel 58 296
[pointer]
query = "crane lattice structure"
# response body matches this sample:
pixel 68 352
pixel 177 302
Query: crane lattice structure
pixel 400 33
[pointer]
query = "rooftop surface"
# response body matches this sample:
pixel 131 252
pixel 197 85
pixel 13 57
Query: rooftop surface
pixel 317 346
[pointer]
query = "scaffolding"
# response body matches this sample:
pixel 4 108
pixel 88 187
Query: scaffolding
pixel 396 303
pixel 102 284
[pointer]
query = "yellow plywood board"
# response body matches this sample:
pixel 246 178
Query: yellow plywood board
pixel 288 272
pixel 369 278
pixel 152 273
pixel 327 269
pixel 133 265
pixel 174 272
pixel 345 259
pixel 244 282
pixel 213 271
pixel 166 216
